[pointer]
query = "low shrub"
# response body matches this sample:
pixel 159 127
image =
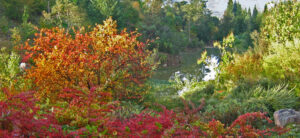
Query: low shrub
pixel 187 124
pixel 11 75
pixel 20 117
pixel 79 108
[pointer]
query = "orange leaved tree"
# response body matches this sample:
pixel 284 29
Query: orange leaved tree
pixel 104 58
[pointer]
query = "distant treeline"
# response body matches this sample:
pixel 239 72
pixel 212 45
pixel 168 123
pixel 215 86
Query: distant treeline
pixel 172 26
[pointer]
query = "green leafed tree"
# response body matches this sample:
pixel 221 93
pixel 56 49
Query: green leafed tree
pixel 13 9
pixel 193 12
pixel 64 13
pixel 227 21
pixel 282 22
pixel 106 7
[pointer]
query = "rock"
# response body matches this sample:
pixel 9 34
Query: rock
pixel 285 116
pixel 23 66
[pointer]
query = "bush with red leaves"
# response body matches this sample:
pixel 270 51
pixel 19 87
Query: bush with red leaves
pixel 152 124
pixel 83 107
pixel 188 124
pixel 243 126
pixel 19 117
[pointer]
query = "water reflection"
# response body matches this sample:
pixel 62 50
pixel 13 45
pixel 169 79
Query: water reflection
pixel 207 72
pixel 210 71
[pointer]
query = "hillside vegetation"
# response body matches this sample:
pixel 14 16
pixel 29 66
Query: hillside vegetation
pixel 138 68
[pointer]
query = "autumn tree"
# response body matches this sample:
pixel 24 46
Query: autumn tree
pixel 114 62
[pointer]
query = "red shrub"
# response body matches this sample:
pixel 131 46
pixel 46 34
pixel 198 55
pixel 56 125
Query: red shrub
pixel 169 124
pixel 83 107
pixel 245 126
pixel 19 117
pixel 151 124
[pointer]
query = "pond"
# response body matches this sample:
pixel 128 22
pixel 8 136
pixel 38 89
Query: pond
pixel 188 64
pixel 189 69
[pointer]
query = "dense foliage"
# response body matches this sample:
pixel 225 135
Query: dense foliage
pixel 103 57
pixel 64 74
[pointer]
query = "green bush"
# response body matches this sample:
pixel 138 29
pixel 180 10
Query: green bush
pixel 247 97
pixel 164 93
pixel 4 25
pixel 278 97
pixel 127 109
pixel 281 23
pixel 198 91
pixel 294 131
pixel 226 110
pixel 283 61
pixel 22 33
pixel 242 42
pixel 10 72
pixel 195 42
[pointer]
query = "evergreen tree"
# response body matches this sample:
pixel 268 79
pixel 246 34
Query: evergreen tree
pixel 227 21
pixel 265 8
pixel 255 12
pixel 229 8
pixel 235 8
pixel 254 19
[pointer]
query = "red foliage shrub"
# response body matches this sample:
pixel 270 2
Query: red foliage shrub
pixel 83 107
pixel 19 117
pixel 169 124
pixel 152 124
pixel 115 61
pixel 245 126
pixel 159 124
pixel 186 120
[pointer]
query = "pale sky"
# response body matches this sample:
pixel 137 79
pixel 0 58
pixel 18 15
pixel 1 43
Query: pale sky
pixel 218 6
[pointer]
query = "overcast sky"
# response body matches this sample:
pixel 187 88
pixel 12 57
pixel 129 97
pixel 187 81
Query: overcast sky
pixel 218 6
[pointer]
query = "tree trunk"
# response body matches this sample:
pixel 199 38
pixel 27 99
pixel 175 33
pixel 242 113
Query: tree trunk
pixel 189 30
pixel 48 6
